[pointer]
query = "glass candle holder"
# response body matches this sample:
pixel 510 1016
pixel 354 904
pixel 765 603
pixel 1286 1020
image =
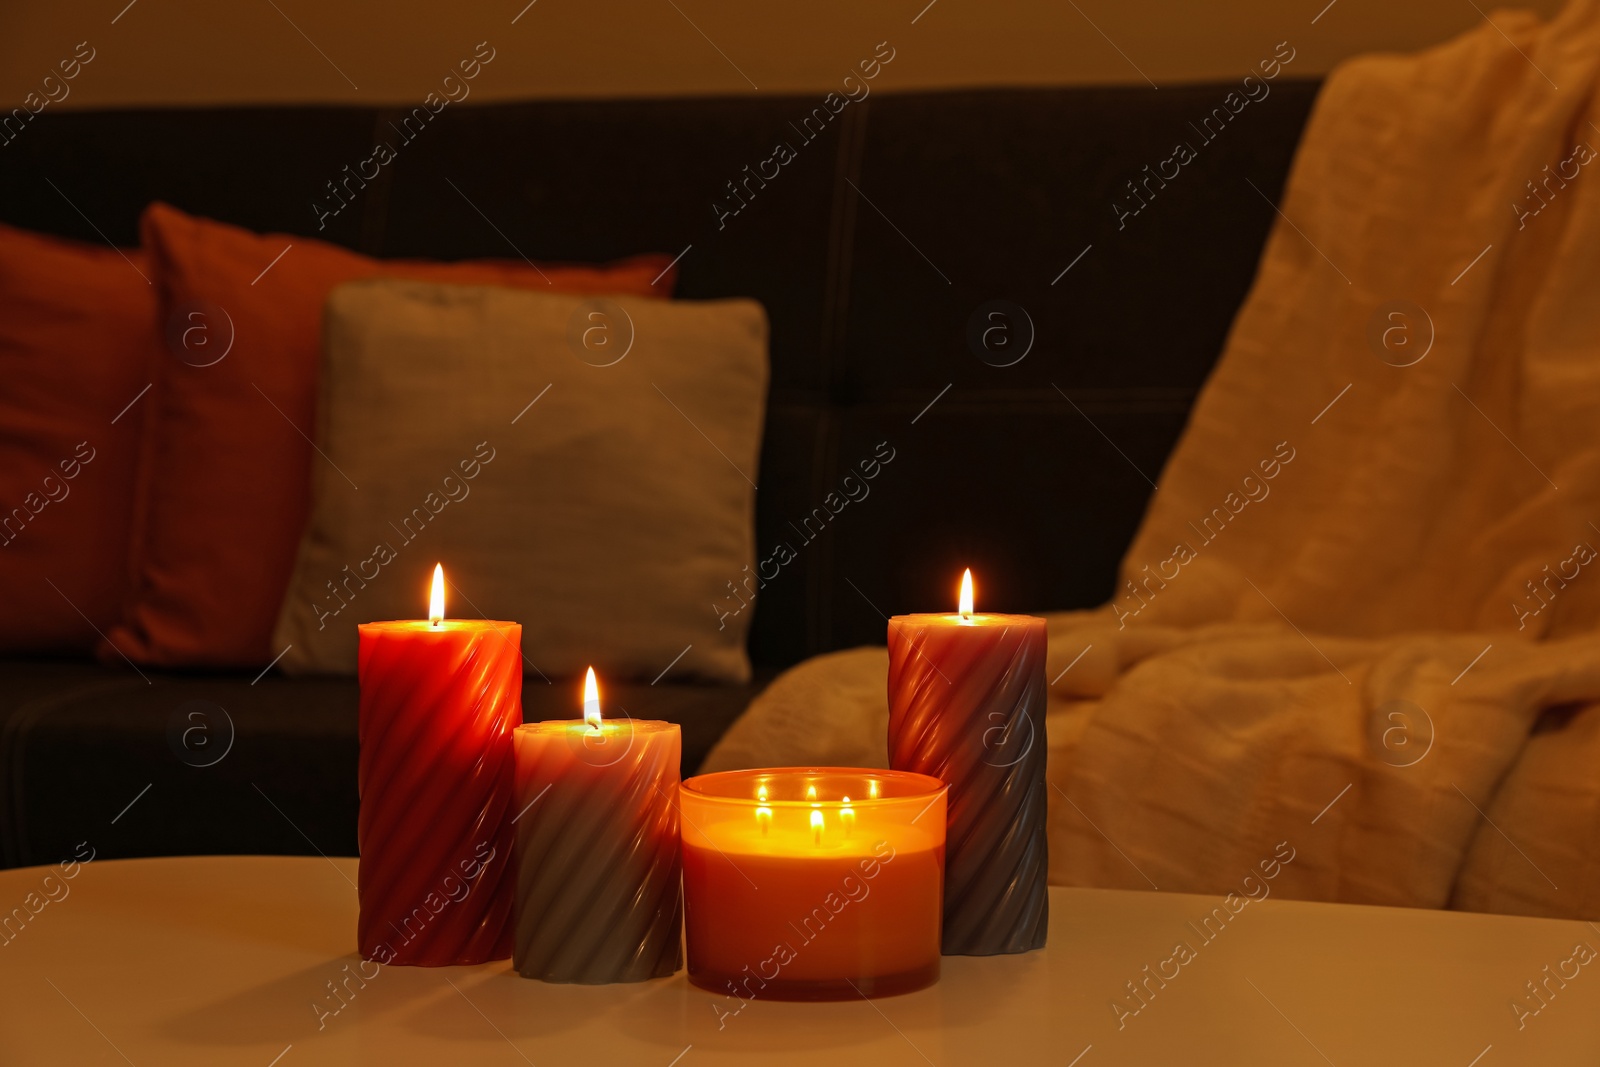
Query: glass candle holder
pixel 813 883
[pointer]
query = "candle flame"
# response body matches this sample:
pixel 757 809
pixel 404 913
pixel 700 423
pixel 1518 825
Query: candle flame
pixel 872 789
pixel 816 826
pixel 764 820
pixel 811 792
pixel 436 597
pixel 847 816
pixel 966 595
pixel 591 701
pixel 761 792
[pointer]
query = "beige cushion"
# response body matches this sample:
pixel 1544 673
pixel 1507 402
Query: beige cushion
pixel 607 518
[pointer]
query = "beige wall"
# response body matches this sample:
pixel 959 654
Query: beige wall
pixel 213 51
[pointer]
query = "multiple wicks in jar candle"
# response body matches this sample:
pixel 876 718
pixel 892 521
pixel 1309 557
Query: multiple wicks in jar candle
pixel 813 883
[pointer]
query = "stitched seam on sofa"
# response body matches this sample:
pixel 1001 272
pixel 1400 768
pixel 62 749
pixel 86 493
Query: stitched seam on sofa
pixel 841 242
pixel 375 212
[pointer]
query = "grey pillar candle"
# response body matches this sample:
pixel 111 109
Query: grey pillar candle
pixel 967 704
pixel 599 894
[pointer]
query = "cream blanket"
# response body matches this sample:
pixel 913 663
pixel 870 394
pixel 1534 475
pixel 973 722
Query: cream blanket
pixel 1360 615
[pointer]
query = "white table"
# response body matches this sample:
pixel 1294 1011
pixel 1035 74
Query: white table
pixel 219 960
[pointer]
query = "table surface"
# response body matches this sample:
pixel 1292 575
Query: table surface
pixel 223 960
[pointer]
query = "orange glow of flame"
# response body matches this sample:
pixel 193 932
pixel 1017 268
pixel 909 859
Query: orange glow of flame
pixel 966 594
pixel 436 597
pixel 816 826
pixel 591 700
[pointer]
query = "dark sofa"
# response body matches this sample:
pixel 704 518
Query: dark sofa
pixel 883 253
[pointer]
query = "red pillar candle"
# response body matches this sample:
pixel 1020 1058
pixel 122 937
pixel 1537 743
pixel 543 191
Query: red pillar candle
pixel 599 894
pixel 439 700
pixel 967 704
pixel 812 883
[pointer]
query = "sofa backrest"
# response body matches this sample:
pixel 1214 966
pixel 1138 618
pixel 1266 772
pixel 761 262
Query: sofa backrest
pixel 968 299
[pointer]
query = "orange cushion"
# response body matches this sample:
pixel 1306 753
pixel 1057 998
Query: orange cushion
pixel 77 345
pixel 226 486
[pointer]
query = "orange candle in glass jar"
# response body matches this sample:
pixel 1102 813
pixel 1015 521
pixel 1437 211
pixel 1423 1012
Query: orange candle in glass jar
pixel 813 883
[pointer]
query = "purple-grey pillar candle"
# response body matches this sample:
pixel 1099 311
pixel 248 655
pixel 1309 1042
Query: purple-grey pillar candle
pixel 599 892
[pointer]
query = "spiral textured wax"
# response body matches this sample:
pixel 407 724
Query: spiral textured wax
pixel 967 705
pixel 599 865
pixel 438 705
